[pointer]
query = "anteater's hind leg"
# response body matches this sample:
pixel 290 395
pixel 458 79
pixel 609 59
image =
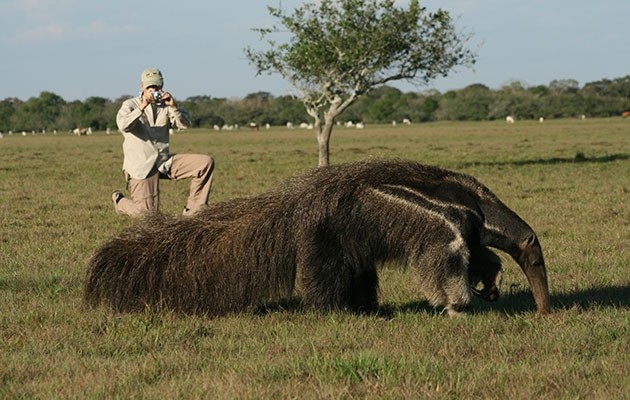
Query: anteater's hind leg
pixel 334 277
pixel 330 284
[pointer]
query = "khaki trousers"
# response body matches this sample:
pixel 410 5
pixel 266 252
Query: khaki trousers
pixel 145 193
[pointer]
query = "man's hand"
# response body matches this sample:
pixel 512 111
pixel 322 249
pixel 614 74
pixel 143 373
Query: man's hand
pixel 147 98
pixel 168 99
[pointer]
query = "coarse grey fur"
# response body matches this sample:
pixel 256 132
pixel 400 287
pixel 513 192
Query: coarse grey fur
pixel 334 225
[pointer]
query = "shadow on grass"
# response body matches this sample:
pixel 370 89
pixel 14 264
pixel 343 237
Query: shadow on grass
pixel 515 302
pixel 586 299
pixel 292 304
pixel 578 158
pixel 605 297
pixel 521 300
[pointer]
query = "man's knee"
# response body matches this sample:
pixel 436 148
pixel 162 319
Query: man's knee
pixel 208 166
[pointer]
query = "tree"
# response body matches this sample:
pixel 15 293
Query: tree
pixel 469 104
pixel 38 113
pixel 381 103
pixel 340 49
pixel 564 86
pixel 7 110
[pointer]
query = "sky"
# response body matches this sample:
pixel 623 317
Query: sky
pixel 83 48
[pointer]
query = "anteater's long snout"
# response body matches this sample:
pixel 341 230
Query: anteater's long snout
pixel 532 263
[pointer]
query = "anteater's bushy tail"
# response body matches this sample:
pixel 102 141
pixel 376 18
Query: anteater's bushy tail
pixel 216 263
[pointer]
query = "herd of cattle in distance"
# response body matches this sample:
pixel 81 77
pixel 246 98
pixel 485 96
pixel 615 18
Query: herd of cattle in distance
pixel 254 126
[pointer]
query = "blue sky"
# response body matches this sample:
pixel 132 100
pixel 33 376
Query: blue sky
pixel 81 48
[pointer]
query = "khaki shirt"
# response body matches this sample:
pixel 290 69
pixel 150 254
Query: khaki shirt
pixel 146 135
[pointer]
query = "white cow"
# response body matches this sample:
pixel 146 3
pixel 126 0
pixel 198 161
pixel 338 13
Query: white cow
pixel 509 119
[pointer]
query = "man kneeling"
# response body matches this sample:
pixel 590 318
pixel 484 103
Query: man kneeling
pixel 145 122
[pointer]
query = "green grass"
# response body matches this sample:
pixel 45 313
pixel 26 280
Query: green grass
pixel 569 179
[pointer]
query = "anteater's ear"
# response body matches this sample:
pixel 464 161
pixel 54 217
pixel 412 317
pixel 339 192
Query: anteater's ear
pixel 531 240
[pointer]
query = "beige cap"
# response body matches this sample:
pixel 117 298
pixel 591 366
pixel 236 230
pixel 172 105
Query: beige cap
pixel 152 77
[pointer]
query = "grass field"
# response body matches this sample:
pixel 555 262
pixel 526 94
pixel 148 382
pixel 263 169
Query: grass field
pixel 569 179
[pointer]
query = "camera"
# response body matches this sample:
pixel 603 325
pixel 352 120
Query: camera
pixel 157 96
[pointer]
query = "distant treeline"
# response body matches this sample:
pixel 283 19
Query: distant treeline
pixel 560 99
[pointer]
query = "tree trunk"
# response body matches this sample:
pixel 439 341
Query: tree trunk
pixel 323 139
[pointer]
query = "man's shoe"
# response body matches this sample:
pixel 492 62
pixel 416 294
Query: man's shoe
pixel 116 196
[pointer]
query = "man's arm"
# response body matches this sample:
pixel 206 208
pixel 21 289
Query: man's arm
pixel 129 114
pixel 179 117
